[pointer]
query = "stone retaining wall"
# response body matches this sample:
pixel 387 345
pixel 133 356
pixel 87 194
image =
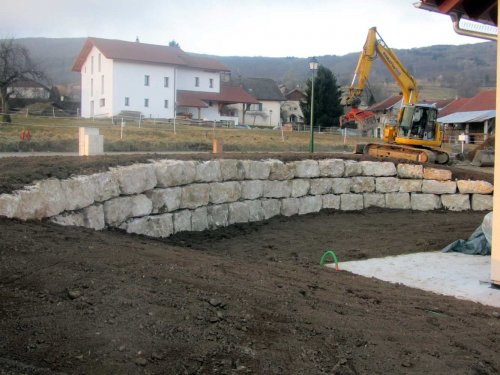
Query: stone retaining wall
pixel 170 196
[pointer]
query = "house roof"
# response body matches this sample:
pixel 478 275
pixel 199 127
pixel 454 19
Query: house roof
pixel 28 84
pixel 142 52
pixel 262 88
pixel 295 94
pixel 483 101
pixel 228 94
pixel 484 11
pixel 465 117
pixel 385 104
pixel 439 103
pixel 452 107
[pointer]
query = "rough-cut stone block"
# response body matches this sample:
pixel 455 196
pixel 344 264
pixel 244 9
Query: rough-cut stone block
pixel 331 167
pixel 362 184
pixel 456 202
pixel 410 186
pixel 352 168
pixel 182 221
pixel 79 192
pixel 289 206
pixel 378 169
pixel 481 202
pixel 93 217
pixel 238 212
pixel 351 202
pixel 280 170
pixel 208 171
pixel 118 210
pixel 256 170
pixel 231 170
pixel 300 187
pixel 153 226
pixel 73 218
pixel 8 205
pixel 414 171
pixel 331 201
pixel 277 189
pixel 256 213
pixel 437 174
pixel 398 201
pixel 194 195
pixel 306 168
pixel 217 216
pixel 474 187
pixel 136 178
pixel 199 219
pixel 165 200
pixel 310 204
pixel 46 198
pixel 425 202
pixel 373 200
pixel 175 172
pixel 252 189
pixel 386 184
pixel 224 192
pixel 341 185
pixel 439 187
pixel 320 186
pixel 106 186
pixel 271 208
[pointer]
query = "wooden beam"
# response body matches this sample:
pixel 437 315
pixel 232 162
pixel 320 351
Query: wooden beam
pixel 447 5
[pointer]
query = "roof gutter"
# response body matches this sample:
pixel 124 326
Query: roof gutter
pixel 473 33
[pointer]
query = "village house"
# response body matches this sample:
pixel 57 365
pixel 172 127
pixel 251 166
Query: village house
pixel 290 108
pixel 28 90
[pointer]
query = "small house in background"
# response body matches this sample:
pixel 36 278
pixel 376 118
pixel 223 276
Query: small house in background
pixel 290 109
pixel 29 90
pixel 386 113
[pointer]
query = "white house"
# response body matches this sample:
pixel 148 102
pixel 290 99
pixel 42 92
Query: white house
pixel 151 79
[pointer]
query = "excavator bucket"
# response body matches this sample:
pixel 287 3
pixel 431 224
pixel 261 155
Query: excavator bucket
pixel 358 119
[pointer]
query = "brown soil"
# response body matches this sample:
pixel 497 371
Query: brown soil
pixel 244 299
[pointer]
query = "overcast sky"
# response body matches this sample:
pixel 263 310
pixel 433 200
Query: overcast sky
pixel 274 28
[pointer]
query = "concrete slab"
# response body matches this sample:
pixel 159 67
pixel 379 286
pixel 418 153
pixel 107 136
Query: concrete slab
pixel 453 274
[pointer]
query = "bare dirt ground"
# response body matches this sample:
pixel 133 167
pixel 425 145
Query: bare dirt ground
pixel 243 299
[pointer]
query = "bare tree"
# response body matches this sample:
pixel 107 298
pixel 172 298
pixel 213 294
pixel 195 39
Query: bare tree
pixel 15 66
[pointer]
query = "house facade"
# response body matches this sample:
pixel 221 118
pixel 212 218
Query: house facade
pixel 290 108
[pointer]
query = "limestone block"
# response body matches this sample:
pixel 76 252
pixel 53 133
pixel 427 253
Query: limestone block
pixel 8 205
pixel 309 204
pixel 320 186
pixel 474 187
pixel 341 185
pixel 93 217
pixel 79 192
pixel 153 226
pixel 437 174
pixel 425 202
pixel 439 187
pixel 256 213
pixel 331 201
pixel 280 170
pixel 352 168
pixel 289 206
pixel 73 218
pixel 415 171
pixel 271 208
pixel 277 189
pixel 208 171
pixel 182 221
pixel 386 184
pixel 398 201
pixel 194 195
pixel 456 202
pixel 224 192
pixel 373 200
pixel 306 168
pixel 199 219
pixel 217 216
pixel 118 210
pixel 46 198
pixel 106 186
pixel 165 200
pixel 481 202
pixel 136 178
pixel 256 170
pixel 362 184
pixel 378 169
pixel 410 186
pixel 238 212
pixel 300 187
pixel 252 189
pixel 231 170
pixel 331 167
pixel 351 202
pixel 175 172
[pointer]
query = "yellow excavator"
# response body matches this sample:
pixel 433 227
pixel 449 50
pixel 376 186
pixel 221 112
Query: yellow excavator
pixel 417 136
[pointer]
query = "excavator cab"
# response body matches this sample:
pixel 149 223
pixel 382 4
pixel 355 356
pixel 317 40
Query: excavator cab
pixel 418 122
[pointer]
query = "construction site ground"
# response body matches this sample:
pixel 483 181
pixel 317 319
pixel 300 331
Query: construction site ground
pixel 248 298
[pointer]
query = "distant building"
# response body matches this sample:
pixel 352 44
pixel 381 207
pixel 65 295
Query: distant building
pixel 290 108
pixel 28 90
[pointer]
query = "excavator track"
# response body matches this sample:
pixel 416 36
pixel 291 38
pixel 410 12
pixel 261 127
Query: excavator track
pixel 419 155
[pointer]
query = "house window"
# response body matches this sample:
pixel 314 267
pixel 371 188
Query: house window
pixel 255 107
pixel 165 81
pixel 197 81
pixel 146 102
pixel 102 84
pixel 92 65
pixel 165 103
pixel 127 101
pixel 92 87
pixel 99 63
pixel 102 102
pixel 146 80
pixel 211 83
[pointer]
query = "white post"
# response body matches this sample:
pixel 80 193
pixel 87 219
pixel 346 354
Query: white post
pixel 140 119
pixel 345 135
pixel 53 112
pixel 121 129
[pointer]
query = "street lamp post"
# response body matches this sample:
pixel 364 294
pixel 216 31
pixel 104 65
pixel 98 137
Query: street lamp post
pixel 270 116
pixel 313 65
